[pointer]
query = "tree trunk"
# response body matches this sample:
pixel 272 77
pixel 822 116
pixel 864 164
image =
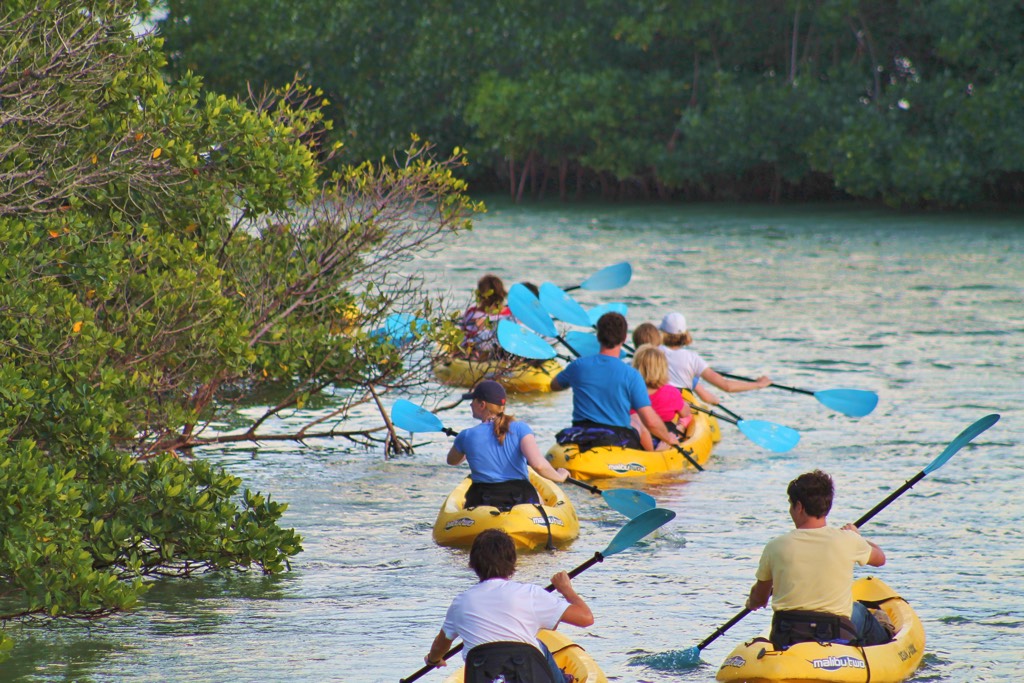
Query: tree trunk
pixel 527 167
pixel 563 171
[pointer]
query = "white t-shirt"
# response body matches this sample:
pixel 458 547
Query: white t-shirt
pixel 498 609
pixel 684 367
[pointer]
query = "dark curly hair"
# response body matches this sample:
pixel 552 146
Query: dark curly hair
pixel 493 555
pixel 813 490
pixel 612 329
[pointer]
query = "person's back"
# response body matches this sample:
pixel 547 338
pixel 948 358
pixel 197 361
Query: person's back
pixel 498 610
pixel 812 569
pixel 604 390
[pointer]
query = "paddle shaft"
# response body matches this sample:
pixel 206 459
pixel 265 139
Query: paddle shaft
pixel 773 384
pixel 584 485
pixel 688 454
pixel 598 557
pixel 713 413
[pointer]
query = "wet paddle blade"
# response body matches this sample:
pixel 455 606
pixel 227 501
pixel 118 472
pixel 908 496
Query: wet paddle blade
pixel 528 310
pixel 609 277
pixel 775 437
pixel 585 343
pixel 562 306
pixel 637 528
pixel 596 312
pixel 523 343
pixel 629 502
pixel 962 440
pixel 851 402
pixel 412 418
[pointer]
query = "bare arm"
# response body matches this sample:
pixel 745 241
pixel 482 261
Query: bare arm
pixel 555 386
pixel 759 594
pixel 877 558
pixel 733 386
pixel 540 465
pixel 438 649
pixel 455 456
pixel 577 613
pixel 655 425
pixel 705 394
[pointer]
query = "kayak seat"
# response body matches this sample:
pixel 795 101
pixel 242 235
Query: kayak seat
pixel 507 662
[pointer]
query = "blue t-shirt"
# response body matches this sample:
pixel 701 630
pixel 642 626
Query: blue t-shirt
pixel 604 390
pixel 491 462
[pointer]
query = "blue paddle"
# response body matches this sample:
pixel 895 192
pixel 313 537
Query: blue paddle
pixel 629 535
pixel 562 306
pixel 691 657
pixel 609 277
pixel 585 343
pixel 769 435
pixel 523 343
pixel 401 328
pixel 596 312
pixel 528 310
pixel 413 418
pixel 851 402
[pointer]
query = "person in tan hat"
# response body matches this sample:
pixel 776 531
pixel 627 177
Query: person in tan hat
pixel 686 367
pixel 498 451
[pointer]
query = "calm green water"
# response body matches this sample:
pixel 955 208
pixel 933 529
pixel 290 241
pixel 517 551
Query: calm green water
pixel 927 310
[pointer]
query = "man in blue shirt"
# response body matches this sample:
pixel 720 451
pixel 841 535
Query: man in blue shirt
pixel 604 389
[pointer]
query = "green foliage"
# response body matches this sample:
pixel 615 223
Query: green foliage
pixel 167 251
pixel 710 98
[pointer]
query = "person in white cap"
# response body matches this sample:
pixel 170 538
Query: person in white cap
pixel 686 367
pixel 498 451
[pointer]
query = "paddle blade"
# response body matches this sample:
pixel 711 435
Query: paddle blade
pixel 851 402
pixel 669 661
pixel 596 312
pixel 562 306
pixel 522 343
pixel 629 502
pixel 585 343
pixel 528 310
pixel 637 528
pixel 412 418
pixel 775 437
pixel 962 440
pixel 609 277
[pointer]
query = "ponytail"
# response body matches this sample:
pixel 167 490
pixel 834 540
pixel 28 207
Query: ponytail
pixel 502 420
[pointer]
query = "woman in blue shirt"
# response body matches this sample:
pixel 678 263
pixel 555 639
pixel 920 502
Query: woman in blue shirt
pixel 498 451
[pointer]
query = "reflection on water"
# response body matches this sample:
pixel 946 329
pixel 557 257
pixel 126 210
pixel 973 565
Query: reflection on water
pixel 925 310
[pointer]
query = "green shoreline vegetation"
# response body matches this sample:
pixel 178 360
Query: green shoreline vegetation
pixel 907 103
pixel 167 253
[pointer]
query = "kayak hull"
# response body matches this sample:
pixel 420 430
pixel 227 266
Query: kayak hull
pixel 569 656
pixel 758 662
pixel 457 527
pixel 519 378
pixel 614 462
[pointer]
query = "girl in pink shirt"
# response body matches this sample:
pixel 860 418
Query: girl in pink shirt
pixel 666 400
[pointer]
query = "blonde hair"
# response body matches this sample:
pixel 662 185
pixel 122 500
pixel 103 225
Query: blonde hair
pixel 500 418
pixel 646 333
pixel 652 365
pixel 676 340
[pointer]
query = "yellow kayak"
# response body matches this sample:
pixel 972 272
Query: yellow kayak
pixel 457 526
pixel 613 461
pixel 569 656
pixel 521 378
pixel 757 662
